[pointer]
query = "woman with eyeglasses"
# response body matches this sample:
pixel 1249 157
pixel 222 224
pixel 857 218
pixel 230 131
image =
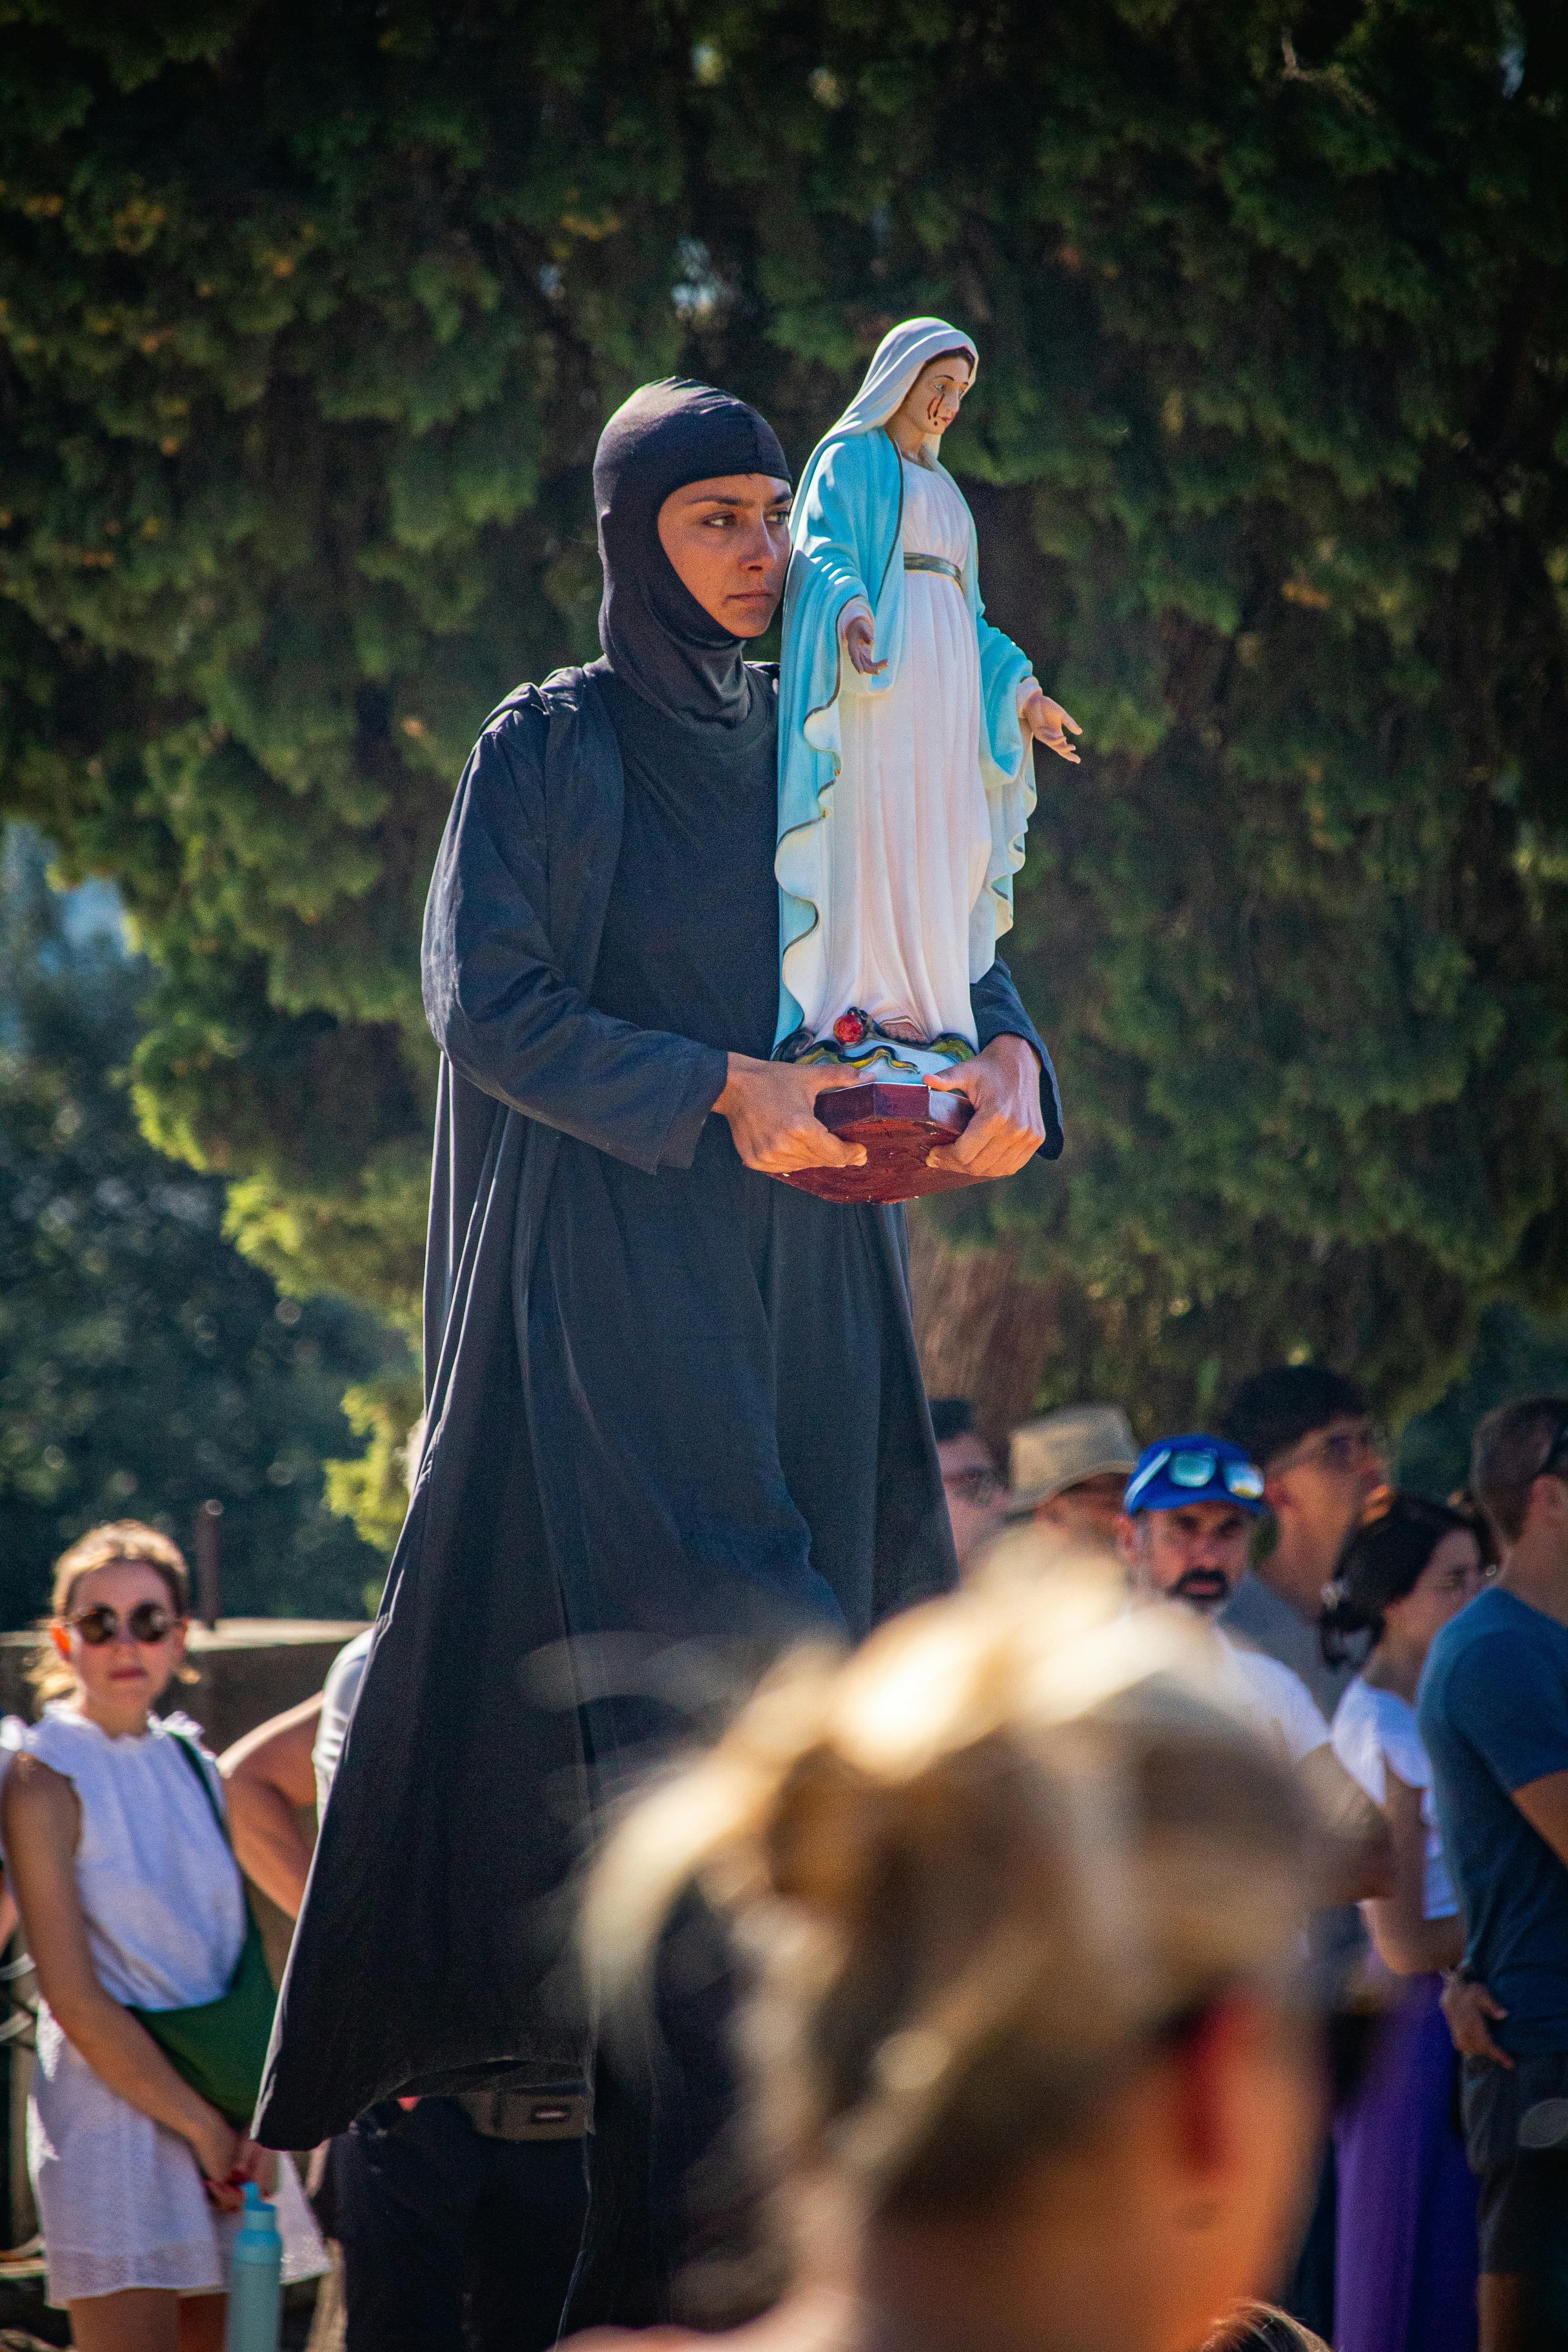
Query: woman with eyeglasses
pixel 1022 1895
pixel 130 1901
pixel 1407 2249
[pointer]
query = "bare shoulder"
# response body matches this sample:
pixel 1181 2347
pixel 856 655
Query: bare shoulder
pixel 39 1801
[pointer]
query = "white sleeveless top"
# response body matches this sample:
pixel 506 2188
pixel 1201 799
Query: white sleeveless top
pixel 1375 1729
pixel 160 1889
pixel 121 2201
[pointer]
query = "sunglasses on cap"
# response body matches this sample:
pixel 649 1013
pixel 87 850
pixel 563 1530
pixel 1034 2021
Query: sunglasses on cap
pixel 1199 1467
pixel 148 1623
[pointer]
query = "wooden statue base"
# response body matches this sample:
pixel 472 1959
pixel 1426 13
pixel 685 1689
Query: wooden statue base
pixel 898 1125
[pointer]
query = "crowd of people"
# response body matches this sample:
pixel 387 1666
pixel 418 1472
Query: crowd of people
pixel 1042 1896
pixel 1427 1721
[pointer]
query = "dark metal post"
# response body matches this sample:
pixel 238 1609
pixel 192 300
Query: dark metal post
pixel 208 1545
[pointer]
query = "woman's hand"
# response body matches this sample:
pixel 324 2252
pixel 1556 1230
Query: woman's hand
pixel 1047 721
pixel 772 1110
pixel 254 2162
pixel 1008 1127
pixel 217 2145
pixel 228 2159
pixel 860 645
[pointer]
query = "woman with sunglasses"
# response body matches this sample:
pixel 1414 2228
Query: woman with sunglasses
pixel 1408 2250
pixel 131 1899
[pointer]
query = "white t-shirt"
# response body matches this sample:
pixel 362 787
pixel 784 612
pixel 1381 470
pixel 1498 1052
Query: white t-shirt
pixel 1377 1730
pixel 338 1696
pixel 1278 1700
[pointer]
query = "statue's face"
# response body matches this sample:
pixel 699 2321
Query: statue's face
pixel 936 396
pixel 729 542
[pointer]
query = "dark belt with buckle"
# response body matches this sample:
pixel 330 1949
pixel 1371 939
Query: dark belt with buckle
pixel 933 564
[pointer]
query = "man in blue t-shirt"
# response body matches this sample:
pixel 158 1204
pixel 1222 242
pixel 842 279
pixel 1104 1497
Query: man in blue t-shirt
pixel 1494 1714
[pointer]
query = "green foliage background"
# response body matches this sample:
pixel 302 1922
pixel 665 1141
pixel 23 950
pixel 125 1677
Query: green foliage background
pixel 144 1366
pixel 310 321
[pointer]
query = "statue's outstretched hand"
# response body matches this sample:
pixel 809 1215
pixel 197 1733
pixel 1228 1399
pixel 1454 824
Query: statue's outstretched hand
pixel 1047 722
pixel 860 645
pixel 1008 1126
pixel 772 1110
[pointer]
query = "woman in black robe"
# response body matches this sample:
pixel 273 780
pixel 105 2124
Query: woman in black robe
pixel 675 1412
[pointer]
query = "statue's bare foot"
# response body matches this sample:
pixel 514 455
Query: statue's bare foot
pixel 904 1030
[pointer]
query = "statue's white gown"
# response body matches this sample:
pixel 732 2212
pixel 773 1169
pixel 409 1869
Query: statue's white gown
pixel 909 836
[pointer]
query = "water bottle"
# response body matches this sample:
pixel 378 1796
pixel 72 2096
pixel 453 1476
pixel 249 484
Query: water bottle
pixel 255 2279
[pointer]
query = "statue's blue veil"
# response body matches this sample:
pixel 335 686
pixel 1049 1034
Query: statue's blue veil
pixel 897 361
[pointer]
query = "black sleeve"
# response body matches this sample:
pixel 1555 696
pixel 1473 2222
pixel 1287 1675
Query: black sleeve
pixel 999 1013
pixel 501 1010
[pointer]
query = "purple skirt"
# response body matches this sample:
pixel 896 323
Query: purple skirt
pixel 1406 2247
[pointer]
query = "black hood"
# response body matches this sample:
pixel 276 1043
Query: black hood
pixel 656 636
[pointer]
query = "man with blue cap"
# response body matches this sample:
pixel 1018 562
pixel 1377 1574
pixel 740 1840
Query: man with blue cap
pixel 1184 1536
pixel 1186 1519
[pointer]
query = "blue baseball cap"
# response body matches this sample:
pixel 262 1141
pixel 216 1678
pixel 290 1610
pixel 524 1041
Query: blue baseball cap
pixel 1198 1469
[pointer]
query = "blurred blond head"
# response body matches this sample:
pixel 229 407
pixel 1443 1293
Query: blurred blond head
pixel 979 1866
pixel 1262 2327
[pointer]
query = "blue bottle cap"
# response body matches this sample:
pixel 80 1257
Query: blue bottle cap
pixel 257 2238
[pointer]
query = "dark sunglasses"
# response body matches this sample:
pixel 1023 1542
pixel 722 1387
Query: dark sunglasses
pixel 149 1621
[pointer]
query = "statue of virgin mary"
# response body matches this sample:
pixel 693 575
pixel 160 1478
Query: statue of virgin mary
pixel 906 781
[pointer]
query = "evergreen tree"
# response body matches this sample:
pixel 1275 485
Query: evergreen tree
pixel 1515 1355
pixel 310 321
pixel 146 1367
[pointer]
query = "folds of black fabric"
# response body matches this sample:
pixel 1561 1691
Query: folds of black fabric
pixel 435 1946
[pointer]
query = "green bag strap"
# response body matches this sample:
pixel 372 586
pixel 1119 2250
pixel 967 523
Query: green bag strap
pixel 192 1755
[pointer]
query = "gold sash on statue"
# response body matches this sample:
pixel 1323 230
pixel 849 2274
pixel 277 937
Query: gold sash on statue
pixel 933 564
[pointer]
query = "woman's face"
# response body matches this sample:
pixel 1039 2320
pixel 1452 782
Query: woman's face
pixel 1450 1578
pixel 728 539
pixel 121 1677
pixel 935 397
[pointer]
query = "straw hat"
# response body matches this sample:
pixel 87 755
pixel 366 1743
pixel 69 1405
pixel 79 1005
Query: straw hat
pixel 1062 1449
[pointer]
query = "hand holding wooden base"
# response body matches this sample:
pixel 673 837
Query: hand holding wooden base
pixel 897 1124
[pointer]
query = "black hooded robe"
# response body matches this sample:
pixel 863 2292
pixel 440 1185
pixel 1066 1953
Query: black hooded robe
pixel 601 1266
